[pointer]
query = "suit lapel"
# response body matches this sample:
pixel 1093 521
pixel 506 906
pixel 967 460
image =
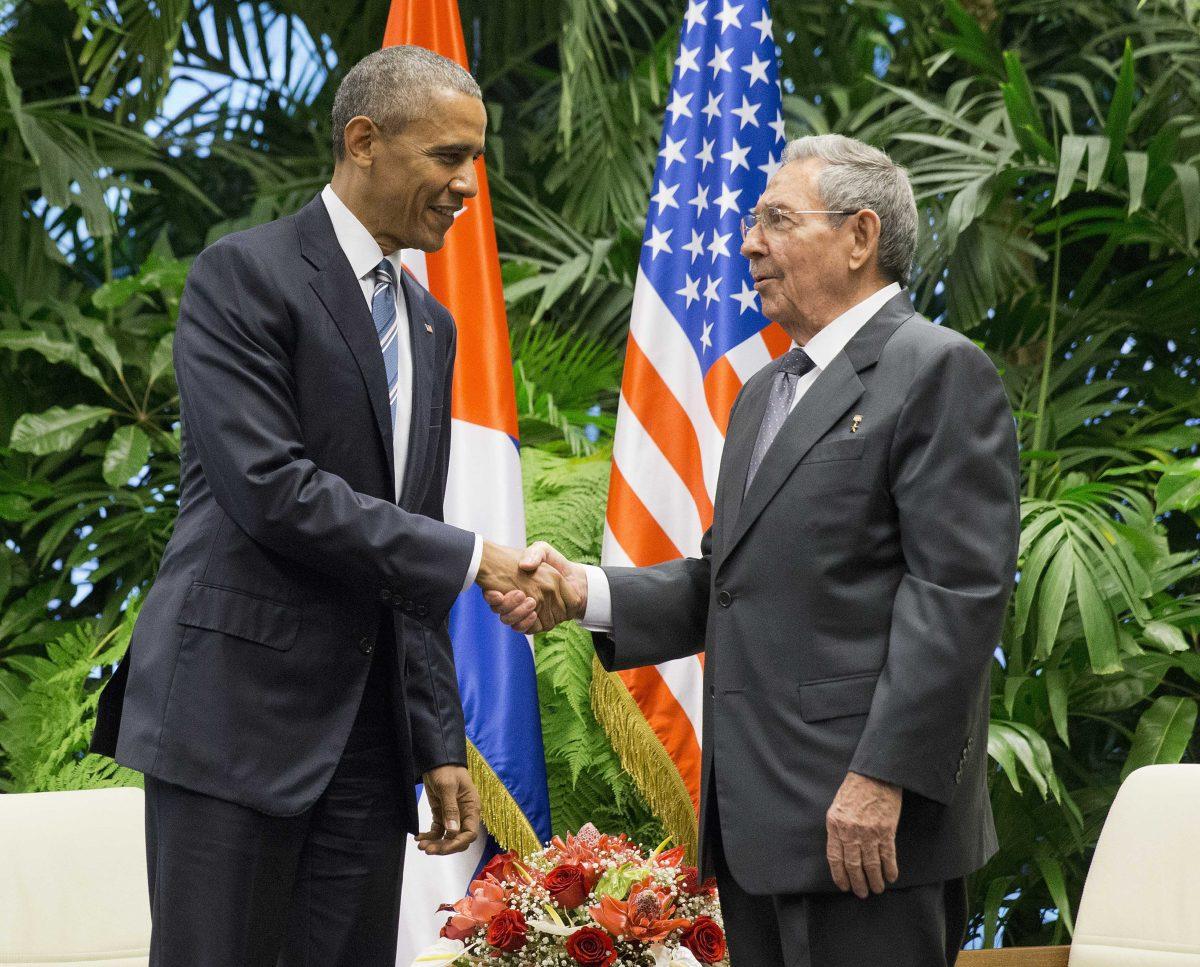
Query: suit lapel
pixel 423 352
pixel 339 291
pixel 829 397
pixel 739 446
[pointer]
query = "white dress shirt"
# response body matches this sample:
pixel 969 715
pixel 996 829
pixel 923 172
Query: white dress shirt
pixel 364 254
pixel 822 349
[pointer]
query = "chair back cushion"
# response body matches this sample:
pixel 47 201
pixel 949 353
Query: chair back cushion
pixel 73 879
pixel 1141 901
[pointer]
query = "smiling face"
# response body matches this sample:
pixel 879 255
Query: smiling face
pixel 407 185
pixel 811 268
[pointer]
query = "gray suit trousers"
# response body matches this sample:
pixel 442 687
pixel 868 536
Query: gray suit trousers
pixel 919 926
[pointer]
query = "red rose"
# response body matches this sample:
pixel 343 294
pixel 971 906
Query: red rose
pixel 690 883
pixel 591 947
pixel 501 867
pixel 705 939
pixel 507 931
pixel 568 885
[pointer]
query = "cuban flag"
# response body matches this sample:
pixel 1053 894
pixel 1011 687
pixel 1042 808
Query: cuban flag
pixel 495 664
pixel 696 334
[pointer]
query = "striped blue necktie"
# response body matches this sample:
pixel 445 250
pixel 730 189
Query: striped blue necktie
pixel 383 310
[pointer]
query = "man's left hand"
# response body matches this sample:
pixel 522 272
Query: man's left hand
pixel 861 827
pixel 455 806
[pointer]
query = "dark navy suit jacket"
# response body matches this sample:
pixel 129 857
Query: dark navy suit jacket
pixel 250 655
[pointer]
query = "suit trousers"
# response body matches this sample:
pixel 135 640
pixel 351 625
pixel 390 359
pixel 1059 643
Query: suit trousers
pixel 920 926
pixel 234 887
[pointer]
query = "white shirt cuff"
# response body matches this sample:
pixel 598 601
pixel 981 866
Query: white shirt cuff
pixel 597 616
pixel 473 570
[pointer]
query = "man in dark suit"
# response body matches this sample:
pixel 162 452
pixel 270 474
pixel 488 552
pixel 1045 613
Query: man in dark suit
pixel 290 675
pixel 849 595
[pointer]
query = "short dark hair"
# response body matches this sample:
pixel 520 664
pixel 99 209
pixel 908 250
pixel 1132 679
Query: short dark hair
pixel 392 87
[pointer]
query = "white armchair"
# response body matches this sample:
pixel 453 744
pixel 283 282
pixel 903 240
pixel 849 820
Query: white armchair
pixel 1141 901
pixel 73 879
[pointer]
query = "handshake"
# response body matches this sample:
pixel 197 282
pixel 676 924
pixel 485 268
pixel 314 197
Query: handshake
pixel 532 590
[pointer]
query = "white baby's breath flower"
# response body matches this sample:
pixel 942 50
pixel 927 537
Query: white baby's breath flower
pixel 665 956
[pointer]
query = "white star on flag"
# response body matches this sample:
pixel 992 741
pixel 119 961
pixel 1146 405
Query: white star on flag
pixel 690 290
pixel 672 151
pixel 705 154
pixel 711 290
pixel 777 126
pixel 757 69
pixel 696 245
pixel 747 113
pixel 720 61
pixel 665 196
pixel 695 14
pixel 658 241
pixel 745 298
pixel 736 156
pixel 686 61
pixel 713 108
pixel 727 200
pixel 763 23
pixel 700 200
pixel 679 106
pixel 719 244
pixel 706 336
pixel 769 169
pixel 730 16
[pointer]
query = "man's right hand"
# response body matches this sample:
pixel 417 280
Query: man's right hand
pixel 520 611
pixel 529 595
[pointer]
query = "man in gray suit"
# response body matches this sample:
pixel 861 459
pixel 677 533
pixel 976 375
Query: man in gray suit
pixel 849 594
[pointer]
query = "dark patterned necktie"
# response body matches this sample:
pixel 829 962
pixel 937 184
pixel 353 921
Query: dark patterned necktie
pixel 791 366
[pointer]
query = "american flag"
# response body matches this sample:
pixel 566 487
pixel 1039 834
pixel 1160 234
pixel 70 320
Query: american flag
pixel 697 332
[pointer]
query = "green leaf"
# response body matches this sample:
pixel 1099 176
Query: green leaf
pixel 1162 733
pixel 1057 697
pixel 1052 873
pixel 94 330
pixel 52 350
pixel 1099 629
pixel 1164 636
pixel 1117 124
pixel 15 508
pixel 127 453
pixel 160 359
pixel 1179 487
pixel 55 429
pixel 1053 599
pixel 1136 163
pixel 1097 159
pixel 1189 189
pixel 1069 161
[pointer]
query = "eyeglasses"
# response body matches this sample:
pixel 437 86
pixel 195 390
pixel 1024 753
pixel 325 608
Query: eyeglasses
pixel 772 219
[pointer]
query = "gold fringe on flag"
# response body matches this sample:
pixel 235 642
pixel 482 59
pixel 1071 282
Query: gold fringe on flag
pixel 504 819
pixel 644 758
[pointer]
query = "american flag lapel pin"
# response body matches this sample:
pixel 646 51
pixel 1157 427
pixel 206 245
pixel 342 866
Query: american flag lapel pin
pixel 428 328
pixel 854 422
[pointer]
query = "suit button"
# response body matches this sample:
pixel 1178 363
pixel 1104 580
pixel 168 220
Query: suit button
pixel 385 596
pixel 406 607
pixel 724 599
pixel 422 610
pixel 712 691
pixel 366 645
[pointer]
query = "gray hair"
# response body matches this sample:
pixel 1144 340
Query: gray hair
pixel 857 176
pixel 392 87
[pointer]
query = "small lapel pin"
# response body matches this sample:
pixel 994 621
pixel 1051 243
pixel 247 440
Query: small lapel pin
pixel 428 328
pixel 854 422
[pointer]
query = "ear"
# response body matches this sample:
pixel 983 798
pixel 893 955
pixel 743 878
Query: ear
pixel 361 138
pixel 864 228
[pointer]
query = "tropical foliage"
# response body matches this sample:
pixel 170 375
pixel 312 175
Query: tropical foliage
pixel 1054 146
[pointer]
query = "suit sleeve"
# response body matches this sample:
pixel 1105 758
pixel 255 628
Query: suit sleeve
pixel 955 482
pixel 658 613
pixel 435 713
pixel 238 399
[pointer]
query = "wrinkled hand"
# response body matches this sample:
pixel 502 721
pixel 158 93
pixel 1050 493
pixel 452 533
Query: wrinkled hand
pixel 455 806
pixel 540 596
pixel 520 611
pixel 861 826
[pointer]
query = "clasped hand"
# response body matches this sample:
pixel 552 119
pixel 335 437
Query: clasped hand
pixel 532 590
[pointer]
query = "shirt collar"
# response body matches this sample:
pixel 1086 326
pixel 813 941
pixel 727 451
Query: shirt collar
pixel 359 245
pixel 826 344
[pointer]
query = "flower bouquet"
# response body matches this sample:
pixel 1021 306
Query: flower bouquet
pixel 590 901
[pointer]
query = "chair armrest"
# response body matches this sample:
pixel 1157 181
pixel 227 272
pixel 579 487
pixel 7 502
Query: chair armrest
pixel 1015 957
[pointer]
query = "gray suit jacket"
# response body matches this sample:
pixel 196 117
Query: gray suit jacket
pixel 848 607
